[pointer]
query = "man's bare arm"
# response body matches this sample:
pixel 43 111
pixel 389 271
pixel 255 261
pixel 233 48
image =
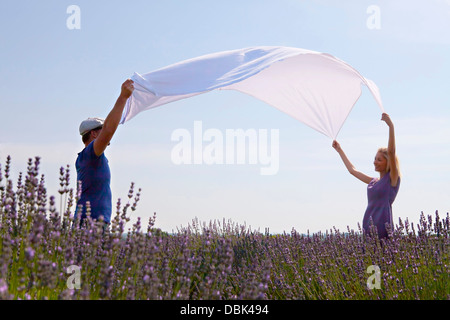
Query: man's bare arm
pixel 113 119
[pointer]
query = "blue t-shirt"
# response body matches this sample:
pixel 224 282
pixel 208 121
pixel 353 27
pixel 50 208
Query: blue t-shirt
pixel 95 177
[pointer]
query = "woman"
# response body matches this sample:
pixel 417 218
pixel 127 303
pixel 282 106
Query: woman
pixel 381 192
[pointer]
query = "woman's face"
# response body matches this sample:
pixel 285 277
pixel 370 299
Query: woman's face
pixel 380 162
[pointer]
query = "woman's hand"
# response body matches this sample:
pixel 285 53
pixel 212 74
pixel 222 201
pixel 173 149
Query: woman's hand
pixel 336 146
pixel 385 117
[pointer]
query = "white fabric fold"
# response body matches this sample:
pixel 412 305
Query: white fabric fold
pixel 315 88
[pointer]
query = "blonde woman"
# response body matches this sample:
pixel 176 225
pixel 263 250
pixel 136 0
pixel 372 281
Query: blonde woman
pixel 381 192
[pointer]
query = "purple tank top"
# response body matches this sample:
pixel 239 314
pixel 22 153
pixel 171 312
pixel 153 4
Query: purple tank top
pixel 380 195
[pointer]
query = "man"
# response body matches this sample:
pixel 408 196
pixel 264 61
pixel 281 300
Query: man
pixel 92 165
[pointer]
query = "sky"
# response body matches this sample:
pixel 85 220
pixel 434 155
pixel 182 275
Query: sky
pixel 59 67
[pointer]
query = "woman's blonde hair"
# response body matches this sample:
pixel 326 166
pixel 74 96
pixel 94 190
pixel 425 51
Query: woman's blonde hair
pixel 384 152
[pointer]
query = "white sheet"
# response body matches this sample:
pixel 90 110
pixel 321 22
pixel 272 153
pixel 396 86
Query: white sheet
pixel 314 88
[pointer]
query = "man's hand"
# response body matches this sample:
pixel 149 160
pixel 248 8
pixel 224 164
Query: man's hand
pixel 127 89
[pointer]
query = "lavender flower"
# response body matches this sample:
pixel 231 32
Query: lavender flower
pixel 215 260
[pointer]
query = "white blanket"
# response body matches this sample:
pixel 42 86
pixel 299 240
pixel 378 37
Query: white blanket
pixel 314 88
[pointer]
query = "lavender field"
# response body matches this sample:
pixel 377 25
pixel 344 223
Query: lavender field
pixel 43 256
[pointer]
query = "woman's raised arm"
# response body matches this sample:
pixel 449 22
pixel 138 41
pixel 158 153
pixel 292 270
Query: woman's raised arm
pixel 393 169
pixel 361 176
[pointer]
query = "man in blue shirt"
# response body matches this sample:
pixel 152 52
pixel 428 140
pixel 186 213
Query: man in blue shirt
pixel 92 165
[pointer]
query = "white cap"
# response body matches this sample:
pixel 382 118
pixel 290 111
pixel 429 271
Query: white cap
pixel 90 124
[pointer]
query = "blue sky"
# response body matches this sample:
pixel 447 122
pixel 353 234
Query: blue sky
pixel 53 77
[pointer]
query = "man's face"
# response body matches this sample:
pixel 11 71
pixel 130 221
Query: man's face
pixel 96 132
